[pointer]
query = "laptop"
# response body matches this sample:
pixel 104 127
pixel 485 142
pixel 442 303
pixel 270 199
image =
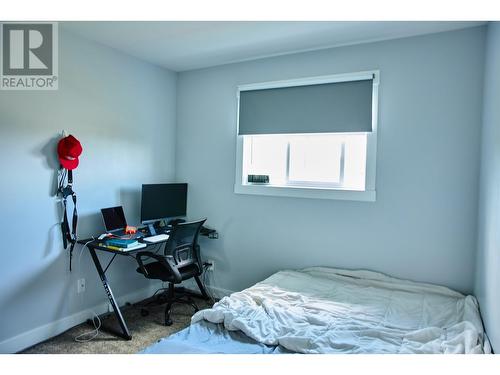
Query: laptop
pixel 115 222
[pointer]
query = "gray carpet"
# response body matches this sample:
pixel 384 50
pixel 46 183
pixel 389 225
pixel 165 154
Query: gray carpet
pixel 144 330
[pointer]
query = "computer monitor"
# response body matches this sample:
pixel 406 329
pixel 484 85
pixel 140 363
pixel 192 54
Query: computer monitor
pixel 162 201
pixel 114 218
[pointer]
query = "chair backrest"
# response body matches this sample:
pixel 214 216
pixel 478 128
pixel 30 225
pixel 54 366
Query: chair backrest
pixel 182 244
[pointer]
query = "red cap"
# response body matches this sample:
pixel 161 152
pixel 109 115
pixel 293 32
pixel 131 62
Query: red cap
pixel 68 150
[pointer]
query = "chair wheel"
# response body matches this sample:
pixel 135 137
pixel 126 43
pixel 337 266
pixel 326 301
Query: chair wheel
pixel 168 322
pixel 144 312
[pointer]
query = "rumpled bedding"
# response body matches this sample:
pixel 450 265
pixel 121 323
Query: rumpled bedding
pixel 328 310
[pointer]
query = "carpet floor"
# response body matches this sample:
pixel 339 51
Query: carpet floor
pixel 144 330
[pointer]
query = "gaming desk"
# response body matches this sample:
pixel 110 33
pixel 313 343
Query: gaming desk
pixel 93 246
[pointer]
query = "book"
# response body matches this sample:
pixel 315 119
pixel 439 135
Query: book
pixel 138 246
pixel 123 243
pixel 116 248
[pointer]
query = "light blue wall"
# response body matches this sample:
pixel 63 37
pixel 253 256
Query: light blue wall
pixel 123 111
pixel 423 224
pixel 487 287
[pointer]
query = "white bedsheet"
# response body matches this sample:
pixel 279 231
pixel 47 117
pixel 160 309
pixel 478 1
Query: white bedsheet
pixel 326 310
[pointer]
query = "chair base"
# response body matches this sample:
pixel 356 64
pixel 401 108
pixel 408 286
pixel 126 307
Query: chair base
pixel 168 308
pixel 189 292
pixel 171 296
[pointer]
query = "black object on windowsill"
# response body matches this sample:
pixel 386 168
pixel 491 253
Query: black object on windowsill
pixel 258 178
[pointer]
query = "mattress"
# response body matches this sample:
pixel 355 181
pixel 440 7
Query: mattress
pixel 204 337
pixel 327 310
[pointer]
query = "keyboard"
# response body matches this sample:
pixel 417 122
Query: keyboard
pixel 136 247
pixel 155 239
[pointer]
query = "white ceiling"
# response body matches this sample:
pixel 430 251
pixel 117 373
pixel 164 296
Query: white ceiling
pixel 186 45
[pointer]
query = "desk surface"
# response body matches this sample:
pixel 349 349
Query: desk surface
pixel 95 244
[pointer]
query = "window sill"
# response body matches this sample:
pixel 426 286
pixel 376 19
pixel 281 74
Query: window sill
pixel 305 192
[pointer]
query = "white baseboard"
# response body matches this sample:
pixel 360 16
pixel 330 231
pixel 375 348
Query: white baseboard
pixel 42 333
pixel 45 332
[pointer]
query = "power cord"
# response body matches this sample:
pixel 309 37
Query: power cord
pixel 81 251
pixel 95 331
pixel 205 281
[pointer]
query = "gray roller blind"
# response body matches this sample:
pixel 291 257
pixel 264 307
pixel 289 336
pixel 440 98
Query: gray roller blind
pixel 321 108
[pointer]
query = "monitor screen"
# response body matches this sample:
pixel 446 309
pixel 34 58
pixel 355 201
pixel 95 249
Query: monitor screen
pixel 114 218
pixel 160 201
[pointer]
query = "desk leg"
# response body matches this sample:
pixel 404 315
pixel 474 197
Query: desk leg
pixel 124 333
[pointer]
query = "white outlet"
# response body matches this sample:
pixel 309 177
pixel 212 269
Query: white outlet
pixel 211 268
pixel 80 285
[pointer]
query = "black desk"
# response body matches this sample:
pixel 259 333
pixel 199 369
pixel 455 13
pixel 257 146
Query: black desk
pixel 92 246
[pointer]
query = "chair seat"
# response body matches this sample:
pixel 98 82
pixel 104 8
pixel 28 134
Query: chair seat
pixel 157 271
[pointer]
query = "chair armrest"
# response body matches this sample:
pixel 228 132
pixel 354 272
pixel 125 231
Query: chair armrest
pixel 139 256
pixel 163 260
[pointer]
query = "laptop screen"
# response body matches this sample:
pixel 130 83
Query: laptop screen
pixel 114 218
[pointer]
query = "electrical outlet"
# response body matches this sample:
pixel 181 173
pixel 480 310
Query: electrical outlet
pixel 80 285
pixel 211 267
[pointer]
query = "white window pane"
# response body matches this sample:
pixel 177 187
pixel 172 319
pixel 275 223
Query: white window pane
pixel 266 155
pixel 355 162
pixel 315 159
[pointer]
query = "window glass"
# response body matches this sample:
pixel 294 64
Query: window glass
pixel 312 160
pixel 315 159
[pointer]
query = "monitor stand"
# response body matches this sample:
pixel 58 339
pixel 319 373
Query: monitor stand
pixel 151 229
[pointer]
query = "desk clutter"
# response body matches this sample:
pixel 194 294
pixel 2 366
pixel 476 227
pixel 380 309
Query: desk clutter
pixel 121 244
pixel 163 206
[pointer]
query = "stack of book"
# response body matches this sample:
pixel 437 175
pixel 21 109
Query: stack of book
pixel 122 244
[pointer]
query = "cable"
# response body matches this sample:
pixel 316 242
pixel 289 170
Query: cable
pixel 83 248
pixel 95 331
pixel 209 292
pixel 204 281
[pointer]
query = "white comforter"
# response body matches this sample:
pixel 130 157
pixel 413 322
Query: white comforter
pixel 326 310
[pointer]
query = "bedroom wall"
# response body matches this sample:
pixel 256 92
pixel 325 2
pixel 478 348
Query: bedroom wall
pixel 488 261
pixel 423 224
pixel 123 112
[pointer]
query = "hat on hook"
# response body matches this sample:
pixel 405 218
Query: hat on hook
pixel 68 151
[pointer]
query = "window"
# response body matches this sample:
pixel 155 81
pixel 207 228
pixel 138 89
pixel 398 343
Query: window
pixel 320 158
pixel 335 161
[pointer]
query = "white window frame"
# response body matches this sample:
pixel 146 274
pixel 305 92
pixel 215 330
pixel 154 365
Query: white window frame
pixel 368 195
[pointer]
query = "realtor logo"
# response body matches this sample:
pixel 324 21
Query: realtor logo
pixel 28 56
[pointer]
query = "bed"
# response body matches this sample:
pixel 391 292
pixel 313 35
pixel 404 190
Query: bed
pixel 328 310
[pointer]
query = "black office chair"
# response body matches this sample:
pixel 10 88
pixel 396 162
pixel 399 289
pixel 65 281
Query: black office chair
pixel 180 261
